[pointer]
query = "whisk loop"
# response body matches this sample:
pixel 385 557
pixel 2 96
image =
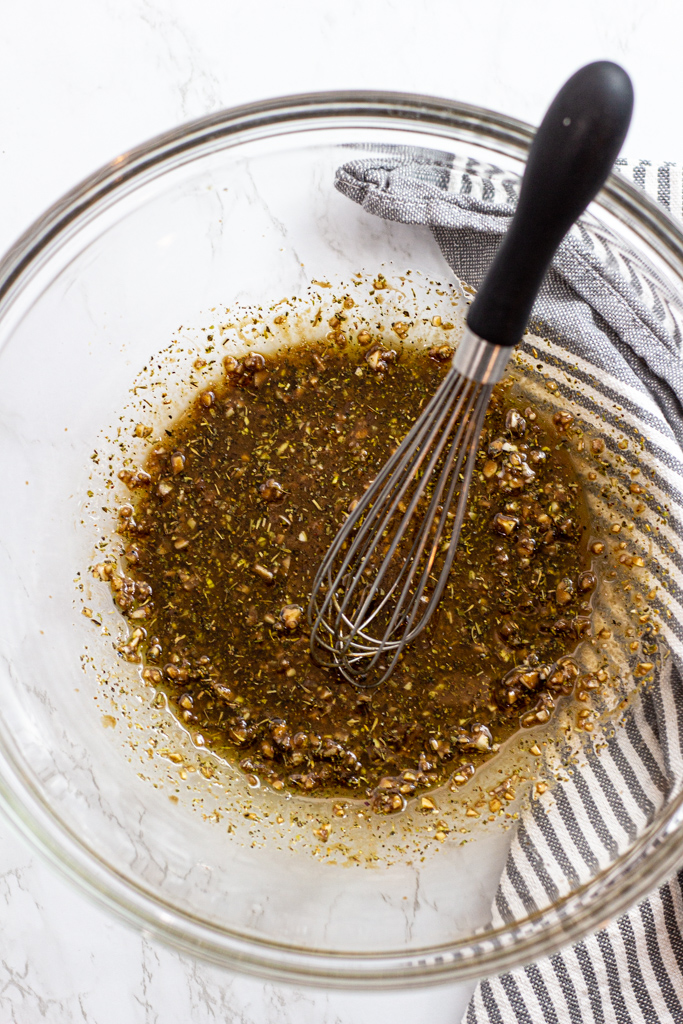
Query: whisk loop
pixel 386 570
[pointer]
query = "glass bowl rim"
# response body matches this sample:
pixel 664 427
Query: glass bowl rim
pixel 650 860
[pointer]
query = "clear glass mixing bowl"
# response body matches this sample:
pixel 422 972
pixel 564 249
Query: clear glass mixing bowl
pixel 235 208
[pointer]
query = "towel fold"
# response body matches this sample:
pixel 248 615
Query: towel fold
pixel 618 326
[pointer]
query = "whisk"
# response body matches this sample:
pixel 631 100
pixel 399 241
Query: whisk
pixel 386 570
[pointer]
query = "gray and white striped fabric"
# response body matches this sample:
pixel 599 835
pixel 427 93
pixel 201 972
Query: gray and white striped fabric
pixel 663 182
pixel 619 326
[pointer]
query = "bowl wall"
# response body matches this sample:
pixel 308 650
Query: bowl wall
pixel 132 272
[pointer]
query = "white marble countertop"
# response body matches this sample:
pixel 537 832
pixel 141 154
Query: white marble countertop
pixel 84 79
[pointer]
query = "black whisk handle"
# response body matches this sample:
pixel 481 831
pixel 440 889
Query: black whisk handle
pixel 570 158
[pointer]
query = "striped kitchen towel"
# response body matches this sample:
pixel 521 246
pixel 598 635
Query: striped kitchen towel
pixel 615 322
pixel 664 182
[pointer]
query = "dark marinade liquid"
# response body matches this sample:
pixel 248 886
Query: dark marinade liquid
pixel 227 525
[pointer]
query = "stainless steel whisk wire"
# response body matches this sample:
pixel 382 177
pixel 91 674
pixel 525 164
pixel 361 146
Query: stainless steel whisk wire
pixel 443 439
